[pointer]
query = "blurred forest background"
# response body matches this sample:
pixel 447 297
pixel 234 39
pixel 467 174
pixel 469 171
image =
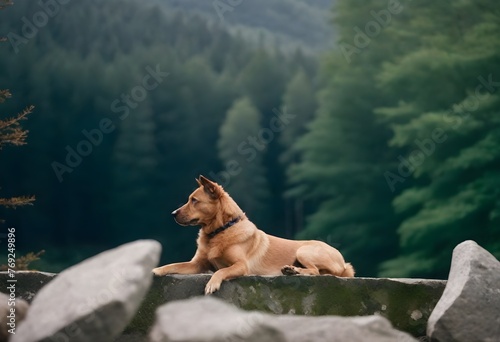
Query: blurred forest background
pixel 387 147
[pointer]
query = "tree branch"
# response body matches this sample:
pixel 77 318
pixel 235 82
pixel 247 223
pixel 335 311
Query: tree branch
pixel 15 202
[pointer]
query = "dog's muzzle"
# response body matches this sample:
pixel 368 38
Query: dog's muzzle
pixel 181 220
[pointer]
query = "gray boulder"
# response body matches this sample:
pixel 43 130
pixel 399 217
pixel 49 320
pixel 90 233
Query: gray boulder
pixel 93 300
pixel 469 309
pixel 12 313
pixel 212 320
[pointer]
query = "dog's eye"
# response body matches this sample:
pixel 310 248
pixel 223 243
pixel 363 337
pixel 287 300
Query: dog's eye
pixel 194 200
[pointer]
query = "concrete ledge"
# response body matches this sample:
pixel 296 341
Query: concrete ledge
pixel 407 303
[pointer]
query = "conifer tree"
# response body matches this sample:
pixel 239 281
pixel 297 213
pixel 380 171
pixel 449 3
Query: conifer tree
pixel 134 174
pixel 299 100
pixel 344 152
pixel 247 185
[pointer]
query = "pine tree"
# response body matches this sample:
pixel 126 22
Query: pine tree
pixel 299 100
pixel 135 196
pixel 344 153
pixel 264 81
pixel 243 159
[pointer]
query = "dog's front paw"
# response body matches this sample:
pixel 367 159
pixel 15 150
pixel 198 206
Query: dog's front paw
pixel 289 270
pixel 212 286
pixel 159 271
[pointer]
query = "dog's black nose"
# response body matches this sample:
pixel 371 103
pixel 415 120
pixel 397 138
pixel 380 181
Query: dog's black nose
pixel 174 212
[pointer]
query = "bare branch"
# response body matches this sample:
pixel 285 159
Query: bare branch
pixel 15 202
pixel 23 262
pixel 11 131
pixel 4 94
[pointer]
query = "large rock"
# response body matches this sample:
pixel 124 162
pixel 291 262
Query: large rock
pixel 94 300
pixel 212 320
pixel 12 313
pixel 469 309
pixel 407 303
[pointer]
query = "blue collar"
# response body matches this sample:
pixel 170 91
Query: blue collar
pixel 226 226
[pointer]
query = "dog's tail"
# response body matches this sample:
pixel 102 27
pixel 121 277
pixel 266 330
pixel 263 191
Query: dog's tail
pixel 348 270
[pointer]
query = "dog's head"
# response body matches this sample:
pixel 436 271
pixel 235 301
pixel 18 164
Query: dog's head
pixel 203 205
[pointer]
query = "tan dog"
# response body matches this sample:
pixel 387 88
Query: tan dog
pixel 230 245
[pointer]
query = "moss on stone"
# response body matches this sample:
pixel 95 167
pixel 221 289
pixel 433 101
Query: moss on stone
pixel 406 303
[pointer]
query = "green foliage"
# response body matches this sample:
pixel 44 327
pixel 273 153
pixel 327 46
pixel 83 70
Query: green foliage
pixel 135 174
pixel 299 99
pixel 455 195
pixel 242 153
pixel 407 104
pixel 392 155
pixel 289 23
pixel 254 77
pixel 144 168
pixel 343 155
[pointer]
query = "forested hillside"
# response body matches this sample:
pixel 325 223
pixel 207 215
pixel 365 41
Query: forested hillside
pixel 402 161
pixel 84 67
pixel 387 146
pixel 288 23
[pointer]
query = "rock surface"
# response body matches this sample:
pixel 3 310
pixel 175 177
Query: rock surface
pixel 11 319
pixel 469 309
pixel 93 300
pixel 407 303
pixel 212 320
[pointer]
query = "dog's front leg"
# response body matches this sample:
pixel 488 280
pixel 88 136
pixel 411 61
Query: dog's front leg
pixel 198 264
pixel 237 269
pixel 189 267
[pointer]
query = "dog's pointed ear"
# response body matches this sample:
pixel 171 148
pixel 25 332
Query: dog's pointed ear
pixel 211 188
pixel 198 181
